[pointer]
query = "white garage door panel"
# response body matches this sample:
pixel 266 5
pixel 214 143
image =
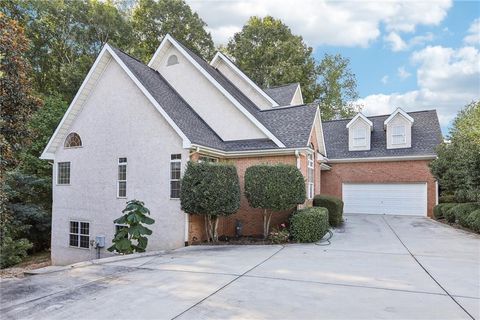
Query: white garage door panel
pixel 391 198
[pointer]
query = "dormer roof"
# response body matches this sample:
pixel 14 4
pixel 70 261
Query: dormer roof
pixel 360 116
pixel 397 111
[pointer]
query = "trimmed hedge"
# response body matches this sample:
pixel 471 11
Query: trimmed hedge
pixel 447 198
pixel 309 225
pixel 440 209
pixel 462 211
pixel 473 220
pixel 334 206
pixel 449 214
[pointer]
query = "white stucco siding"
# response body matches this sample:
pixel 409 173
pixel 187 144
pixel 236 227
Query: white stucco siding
pixel 359 124
pixel 399 120
pixel 117 121
pixel 244 86
pixel 213 106
pixel 297 97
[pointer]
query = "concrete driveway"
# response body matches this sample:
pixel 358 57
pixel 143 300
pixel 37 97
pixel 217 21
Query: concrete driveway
pixel 377 267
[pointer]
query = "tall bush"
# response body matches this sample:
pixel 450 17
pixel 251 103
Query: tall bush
pixel 132 238
pixel 334 206
pixel 274 188
pixel 211 190
pixel 309 225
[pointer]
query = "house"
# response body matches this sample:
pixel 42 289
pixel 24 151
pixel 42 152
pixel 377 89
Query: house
pixel 131 129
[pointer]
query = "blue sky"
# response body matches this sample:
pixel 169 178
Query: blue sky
pixel 415 55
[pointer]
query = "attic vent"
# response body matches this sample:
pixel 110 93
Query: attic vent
pixel 172 60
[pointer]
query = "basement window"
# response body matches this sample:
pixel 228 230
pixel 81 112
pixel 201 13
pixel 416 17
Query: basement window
pixel 79 234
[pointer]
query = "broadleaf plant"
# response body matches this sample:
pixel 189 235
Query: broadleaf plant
pixel 132 238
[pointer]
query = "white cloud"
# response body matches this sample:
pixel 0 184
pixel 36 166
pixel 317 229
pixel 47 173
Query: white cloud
pixel 384 79
pixel 447 80
pixel 396 42
pixel 344 23
pixel 473 36
pixel 403 74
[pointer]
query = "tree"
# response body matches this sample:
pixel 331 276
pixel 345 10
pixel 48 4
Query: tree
pixel 274 188
pixel 212 190
pixel 132 238
pixel 457 167
pixel 338 87
pixel 267 51
pixel 17 102
pixel 152 20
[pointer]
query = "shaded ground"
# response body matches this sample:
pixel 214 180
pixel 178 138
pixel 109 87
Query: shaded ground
pixel 35 261
pixel 376 267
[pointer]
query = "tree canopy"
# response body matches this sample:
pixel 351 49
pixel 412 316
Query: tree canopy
pixel 269 53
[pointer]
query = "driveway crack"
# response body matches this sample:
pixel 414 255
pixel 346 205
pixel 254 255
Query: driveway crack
pixel 425 269
pixel 229 283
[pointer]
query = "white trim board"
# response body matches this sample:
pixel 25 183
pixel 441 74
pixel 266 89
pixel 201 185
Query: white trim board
pixel 234 101
pixel 380 159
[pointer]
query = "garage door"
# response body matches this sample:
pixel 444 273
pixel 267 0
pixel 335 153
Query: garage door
pixel 385 198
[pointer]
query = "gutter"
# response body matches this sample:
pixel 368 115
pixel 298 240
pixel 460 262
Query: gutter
pixel 380 159
pixel 249 153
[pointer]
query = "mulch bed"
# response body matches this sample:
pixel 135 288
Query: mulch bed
pixel 35 261
pixel 250 240
pixel 455 225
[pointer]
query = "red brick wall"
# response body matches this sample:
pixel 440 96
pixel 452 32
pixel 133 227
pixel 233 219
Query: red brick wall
pixel 378 172
pixel 252 219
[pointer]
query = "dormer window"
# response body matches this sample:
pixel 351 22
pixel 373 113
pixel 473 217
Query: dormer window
pixel 359 129
pixel 398 134
pixel 172 60
pixel 398 130
pixel 359 137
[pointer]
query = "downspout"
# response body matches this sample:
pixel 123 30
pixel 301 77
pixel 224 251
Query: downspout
pixel 297 155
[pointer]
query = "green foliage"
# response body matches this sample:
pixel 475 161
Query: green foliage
pixel 274 187
pixel 446 198
pixel 132 238
pixel 13 251
pixel 267 51
pixel 212 190
pixel 334 206
pixel 440 209
pixel 152 20
pixel 309 225
pixel 338 87
pixel 457 167
pixel 449 213
pixel 462 210
pixel 473 220
pixel 279 234
pixel 17 102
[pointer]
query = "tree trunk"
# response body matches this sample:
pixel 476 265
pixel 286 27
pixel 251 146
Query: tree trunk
pixel 207 233
pixel 215 228
pixel 266 223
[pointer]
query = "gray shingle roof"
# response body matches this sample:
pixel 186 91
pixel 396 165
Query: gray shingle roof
pixel 283 95
pixel 290 125
pixel 426 135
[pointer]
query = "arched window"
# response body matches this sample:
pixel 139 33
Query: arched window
pixel 172 60
pixel 73 140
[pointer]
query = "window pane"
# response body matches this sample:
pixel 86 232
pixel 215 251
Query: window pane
pixel 175 171
pixel 398 139
pixel 84 242
pixel 399 130
pixel 174 189
pixel 122 188
pixel 73 227
pixel 74 240
pixel 176 157
pixel 122 172
pixel 122 160
pixel 84 228
pixel 63 173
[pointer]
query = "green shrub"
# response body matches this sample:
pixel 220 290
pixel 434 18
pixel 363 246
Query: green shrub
pixel 212 190
pixel 473 220
pixel 449 213
pixel 462 210
pixel 446 198
pixel 440 209
pixel 13 251
pixel 275 188
pixel 309 225
pixel 334 206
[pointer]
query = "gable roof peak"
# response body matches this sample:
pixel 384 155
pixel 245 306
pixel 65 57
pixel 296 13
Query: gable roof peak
pixel 361 116
pixel 394 113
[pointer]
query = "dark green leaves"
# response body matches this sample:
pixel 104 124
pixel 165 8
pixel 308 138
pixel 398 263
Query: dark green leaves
pixel 275 187
pixel 131 238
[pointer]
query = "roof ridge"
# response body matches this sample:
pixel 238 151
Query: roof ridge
pixel 380 115
pixel 282 85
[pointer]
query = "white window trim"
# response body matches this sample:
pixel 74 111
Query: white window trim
pixel 79 234
pixel 310 184
pixel 69 174
pixel 403 135
pixel 357 138
pixel 118 180
pixel 170 173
